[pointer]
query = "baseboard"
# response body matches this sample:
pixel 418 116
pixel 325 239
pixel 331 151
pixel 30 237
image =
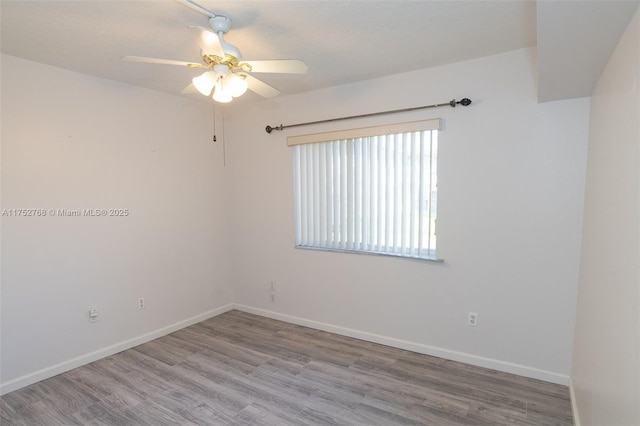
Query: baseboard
pixel 62 367
pixel 507 367
pixel 574 404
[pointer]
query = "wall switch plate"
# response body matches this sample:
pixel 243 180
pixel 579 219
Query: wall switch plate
pixel 93 314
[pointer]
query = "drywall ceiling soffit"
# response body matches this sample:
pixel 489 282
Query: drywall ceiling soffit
pixel 575 41
pixel 341 41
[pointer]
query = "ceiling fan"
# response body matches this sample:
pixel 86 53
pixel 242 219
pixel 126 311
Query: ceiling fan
pixel 227 76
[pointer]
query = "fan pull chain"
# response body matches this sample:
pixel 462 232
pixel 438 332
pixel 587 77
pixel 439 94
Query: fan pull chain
pixel 224 144
pixel 215 139
pixel 213 107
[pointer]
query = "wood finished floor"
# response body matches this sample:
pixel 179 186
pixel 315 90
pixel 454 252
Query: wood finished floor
pixel 242 369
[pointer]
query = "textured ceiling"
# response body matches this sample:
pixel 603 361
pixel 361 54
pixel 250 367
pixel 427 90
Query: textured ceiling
pixel 341 41
pixel 575 41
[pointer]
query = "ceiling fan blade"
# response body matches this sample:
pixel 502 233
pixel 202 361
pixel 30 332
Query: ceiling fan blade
pixel 286 66
pixel 209 41
pixel 195 6
pixel 162 61
pixel 261 88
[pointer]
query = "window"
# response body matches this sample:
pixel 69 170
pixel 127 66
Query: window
pixel 370 190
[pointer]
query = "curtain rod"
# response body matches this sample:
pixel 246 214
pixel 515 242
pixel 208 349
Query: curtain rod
pixel 452 103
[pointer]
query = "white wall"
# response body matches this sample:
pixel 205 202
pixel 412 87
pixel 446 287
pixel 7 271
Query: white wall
pixel 510 219
pixel 510 216
pixel 606 356
pixel 70 141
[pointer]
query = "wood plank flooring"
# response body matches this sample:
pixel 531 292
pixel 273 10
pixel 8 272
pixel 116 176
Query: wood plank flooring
pixel 241 369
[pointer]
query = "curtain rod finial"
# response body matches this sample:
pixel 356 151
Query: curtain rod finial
pixel 270 129
pixel 463 102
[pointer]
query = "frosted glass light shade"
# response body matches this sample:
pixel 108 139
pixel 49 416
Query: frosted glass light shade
pixel 205 82
pixel 236 85
pixel 221 94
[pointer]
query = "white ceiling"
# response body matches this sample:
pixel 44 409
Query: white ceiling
pixel 575 41
pixel 341 41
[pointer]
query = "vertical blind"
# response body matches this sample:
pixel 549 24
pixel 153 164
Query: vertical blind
pixel 375 193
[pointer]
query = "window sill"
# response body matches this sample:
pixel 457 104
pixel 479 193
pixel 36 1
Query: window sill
pixel 369 253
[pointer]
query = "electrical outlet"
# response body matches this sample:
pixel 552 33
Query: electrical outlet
pixel 140 303
pixel 272 286
pixel 472 319
pixel 273 298
pixel 93 314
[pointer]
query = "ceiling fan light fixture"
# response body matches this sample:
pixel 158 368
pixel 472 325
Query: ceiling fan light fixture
pixel 226 76
pixel 221 69
pixel 236 84
pixel 221 94
pixel 205 82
